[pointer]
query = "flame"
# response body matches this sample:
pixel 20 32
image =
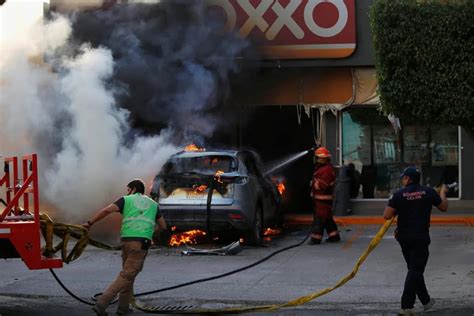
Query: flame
pixel 269 232
pixel 281 188
pixel 189 237
pixel 193 147
pixel 200 189
pixel 218 175
pixel 272 231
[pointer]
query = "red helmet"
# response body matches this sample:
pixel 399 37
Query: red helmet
pixel 322 152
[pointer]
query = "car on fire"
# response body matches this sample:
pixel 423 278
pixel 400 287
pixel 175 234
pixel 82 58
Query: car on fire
pixel 217 190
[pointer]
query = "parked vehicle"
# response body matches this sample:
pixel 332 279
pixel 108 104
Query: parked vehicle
pixel 217 190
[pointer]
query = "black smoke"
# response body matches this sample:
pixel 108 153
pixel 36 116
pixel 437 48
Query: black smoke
pixel 173 61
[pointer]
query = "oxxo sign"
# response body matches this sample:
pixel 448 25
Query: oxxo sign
pixel 292 29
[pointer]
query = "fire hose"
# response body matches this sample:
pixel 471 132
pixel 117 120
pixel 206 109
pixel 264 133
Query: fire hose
pixel 295 302
pixel 83 241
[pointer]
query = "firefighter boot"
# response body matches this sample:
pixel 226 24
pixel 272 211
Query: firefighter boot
pixel 334 238
pixel 314 241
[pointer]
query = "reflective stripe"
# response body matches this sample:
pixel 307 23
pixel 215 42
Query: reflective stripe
pixel 139 218
pixel 5 231
pixel 323 197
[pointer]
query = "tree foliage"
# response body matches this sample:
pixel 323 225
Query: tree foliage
pixel 425 59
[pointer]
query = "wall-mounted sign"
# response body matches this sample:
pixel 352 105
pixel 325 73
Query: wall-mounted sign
pixel 294 29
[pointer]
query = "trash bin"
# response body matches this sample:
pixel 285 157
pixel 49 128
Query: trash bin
pixel 342 192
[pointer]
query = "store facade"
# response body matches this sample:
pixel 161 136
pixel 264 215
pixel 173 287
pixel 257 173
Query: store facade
pixel 338 94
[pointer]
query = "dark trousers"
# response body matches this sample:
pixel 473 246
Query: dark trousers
pixel 416 254
pixel 323 223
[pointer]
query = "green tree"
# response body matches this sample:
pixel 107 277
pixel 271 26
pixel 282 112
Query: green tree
pixel 425 59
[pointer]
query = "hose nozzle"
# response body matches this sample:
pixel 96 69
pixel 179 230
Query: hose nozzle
pixel 312 149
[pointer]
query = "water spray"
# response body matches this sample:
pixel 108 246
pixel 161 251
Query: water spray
pixel 289 160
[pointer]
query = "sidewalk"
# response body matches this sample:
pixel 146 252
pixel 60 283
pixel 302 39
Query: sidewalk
pixel 307 219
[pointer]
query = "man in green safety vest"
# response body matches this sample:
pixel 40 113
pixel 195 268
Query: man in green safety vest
pixel 141 218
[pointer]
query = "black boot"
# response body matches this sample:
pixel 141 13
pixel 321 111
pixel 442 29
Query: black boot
pixel 314 241
pixel 335 238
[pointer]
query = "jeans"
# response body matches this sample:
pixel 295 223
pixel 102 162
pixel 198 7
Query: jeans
pixel 415 252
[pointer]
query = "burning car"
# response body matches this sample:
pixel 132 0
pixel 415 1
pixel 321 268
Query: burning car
pixel 218 191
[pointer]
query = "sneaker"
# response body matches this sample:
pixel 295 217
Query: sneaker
pixel 406 311
pixel 335 238
pixel 429 305
pixel 99 310
pixel 314 241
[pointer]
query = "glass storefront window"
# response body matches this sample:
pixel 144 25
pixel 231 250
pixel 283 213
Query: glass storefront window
pixel 379 154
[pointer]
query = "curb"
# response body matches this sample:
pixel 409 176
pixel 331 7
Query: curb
pixel 306 219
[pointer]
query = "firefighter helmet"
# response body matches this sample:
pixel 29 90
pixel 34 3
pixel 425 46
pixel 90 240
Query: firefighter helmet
pixel 322 152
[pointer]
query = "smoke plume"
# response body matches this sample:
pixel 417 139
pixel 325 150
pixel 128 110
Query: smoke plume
pixel 173 59
pixel 72 88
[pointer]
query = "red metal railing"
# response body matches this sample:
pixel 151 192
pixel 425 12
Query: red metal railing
pixel 20 235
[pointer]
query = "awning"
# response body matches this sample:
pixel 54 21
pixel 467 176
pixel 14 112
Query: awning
pixel 324 88
pixel 310 87
pixel 365 82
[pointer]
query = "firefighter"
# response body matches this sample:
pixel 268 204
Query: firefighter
pixel 322 189
pixel 140 220
pixel 413 204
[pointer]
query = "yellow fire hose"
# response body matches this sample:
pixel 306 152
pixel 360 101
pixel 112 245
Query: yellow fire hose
pixel 65 231
pixel 298 301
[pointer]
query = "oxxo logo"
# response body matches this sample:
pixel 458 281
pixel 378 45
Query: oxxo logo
pixel 294 28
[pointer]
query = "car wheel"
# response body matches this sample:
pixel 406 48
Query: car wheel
pixel 254 237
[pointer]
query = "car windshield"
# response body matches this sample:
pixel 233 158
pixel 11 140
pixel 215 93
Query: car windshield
pixel 201 164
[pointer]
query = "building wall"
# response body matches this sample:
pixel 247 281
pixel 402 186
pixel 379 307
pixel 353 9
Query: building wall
pixel 467 172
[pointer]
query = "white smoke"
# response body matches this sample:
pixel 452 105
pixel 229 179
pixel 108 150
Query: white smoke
pixel 70 118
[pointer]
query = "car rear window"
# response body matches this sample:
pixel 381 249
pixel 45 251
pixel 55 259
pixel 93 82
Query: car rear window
pixel 201 164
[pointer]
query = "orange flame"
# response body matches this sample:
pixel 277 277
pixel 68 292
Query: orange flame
pixel 281 188
pixel 200 189
pixel 193 147
pixel 218 175
pixel 272 231
pixel 189 237
pixel 269 232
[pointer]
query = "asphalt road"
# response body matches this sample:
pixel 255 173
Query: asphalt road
pixel 375 290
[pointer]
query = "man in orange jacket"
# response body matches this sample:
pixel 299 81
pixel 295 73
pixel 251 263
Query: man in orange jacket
pixel 322 189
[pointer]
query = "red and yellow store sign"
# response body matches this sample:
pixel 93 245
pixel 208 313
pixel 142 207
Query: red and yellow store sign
pixel 294 29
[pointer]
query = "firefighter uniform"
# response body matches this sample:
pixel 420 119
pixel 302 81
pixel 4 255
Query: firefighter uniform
pixel 413 204
pixel 322 190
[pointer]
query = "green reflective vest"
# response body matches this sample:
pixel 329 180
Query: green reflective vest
pixel 139 213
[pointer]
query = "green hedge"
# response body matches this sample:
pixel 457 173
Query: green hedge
pixel 425 59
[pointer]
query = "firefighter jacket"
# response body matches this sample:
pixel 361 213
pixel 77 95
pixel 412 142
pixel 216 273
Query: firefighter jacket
pixel 323 183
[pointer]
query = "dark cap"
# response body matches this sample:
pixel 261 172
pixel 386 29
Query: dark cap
pixel 412 172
